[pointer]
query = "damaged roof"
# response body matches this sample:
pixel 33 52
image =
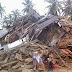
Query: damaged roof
pixel 35 30
pixel 3 32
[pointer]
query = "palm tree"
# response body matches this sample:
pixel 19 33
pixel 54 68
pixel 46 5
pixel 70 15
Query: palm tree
pixel 28 5
pixel 67 10
pixel 54 7
pixel 15 14
pixel 1 10
pixel 10 19
pixel 5 20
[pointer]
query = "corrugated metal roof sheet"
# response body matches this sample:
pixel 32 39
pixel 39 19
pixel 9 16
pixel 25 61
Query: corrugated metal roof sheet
pixel 3 32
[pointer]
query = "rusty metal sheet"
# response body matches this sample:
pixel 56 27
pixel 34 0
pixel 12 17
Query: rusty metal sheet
pixel 3 32
pixel 34 31
pixel 48 22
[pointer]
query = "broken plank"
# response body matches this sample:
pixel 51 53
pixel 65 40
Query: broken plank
pixel 10 63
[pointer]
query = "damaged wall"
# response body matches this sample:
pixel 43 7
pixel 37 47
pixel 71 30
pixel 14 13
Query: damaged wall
pixel 51 34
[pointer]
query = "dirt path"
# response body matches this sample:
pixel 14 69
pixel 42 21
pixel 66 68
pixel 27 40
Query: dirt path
pixel 57 70
pixel 63 70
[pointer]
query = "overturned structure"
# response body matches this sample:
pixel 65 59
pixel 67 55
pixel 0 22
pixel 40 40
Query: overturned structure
pixel 47 30
pixel 51 35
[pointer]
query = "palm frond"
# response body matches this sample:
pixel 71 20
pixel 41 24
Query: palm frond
pixel 28 4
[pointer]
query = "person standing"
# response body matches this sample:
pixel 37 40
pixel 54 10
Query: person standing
pixel 37 61
pixel 50 63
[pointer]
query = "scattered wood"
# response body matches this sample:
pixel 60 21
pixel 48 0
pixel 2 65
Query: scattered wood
pixel 3 71
pixel 16 66
pixel 6 59
pixel 10 63
pixel 26 70
pixel 28 60
pixel 18 56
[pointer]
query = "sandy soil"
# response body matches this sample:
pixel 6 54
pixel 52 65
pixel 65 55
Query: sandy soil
pixel 58 70
pixel 63 70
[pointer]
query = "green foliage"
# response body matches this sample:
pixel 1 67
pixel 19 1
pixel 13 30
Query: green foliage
pixel 15 14
pixel 28 4
pixel 2 11
pixel 5 20
pixel 10 18
pixel 67 10
pixel 54 7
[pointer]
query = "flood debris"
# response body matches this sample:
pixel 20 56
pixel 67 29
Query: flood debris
pixel 47 34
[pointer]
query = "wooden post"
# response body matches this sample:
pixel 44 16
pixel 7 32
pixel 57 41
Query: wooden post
pixel 60 57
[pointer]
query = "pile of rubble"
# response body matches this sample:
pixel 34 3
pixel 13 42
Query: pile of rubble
pixel 15 30
pixel 51 35
pixel 55 34
pixel 19 59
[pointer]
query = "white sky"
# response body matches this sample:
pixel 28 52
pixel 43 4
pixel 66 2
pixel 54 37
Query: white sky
pixel 10 5
pixel 40 5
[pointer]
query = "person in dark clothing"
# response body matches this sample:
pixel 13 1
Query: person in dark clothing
pixel 50 63
pixel 46 57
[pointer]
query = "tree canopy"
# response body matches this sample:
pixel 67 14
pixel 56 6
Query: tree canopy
pixel 28 4
pixel 67 10
pixel 2 10
pixel 54 7
pixel 15 14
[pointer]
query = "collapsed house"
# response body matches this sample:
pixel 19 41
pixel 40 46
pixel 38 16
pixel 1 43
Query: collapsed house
pixel 3 33
pixel 50 32
pixel 16 30
pixel 66 40
pixel 47 30
pixel 19 27
pixel 52 35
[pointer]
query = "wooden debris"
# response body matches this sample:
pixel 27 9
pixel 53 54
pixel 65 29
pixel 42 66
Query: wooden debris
pixel 9 64
pixel 3 71
pixel 29 66
pixel 26 70
pixel 6 59
pixel 18 56
pixel 21 57
pixel 16 66
pixel 28 60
